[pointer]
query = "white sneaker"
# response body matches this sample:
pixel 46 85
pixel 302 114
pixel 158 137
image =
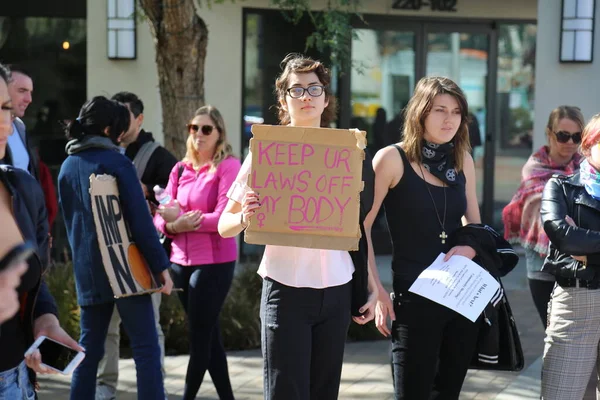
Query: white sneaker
pixel 104 392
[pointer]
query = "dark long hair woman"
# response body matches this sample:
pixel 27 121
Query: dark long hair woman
pixel 92 150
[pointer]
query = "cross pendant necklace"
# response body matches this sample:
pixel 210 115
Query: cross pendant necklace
pixel 443 236
pixel 442 223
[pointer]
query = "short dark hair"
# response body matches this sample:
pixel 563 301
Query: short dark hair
pixel 4 73
pixel 135 104
pixel 98 114
pixel 19 69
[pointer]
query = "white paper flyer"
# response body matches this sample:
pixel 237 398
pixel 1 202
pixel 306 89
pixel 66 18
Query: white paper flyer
pixel 459 284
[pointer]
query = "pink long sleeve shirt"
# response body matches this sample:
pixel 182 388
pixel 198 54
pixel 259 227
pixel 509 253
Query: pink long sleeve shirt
pixel 206 191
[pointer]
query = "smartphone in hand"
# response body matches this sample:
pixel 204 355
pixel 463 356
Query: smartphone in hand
pixel 56 356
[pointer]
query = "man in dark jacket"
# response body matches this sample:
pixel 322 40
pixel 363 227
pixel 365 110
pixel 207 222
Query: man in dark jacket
pixel 153 164
pixel 160 162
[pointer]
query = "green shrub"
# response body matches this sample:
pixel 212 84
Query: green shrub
pixel 174 325
pixel 61 283
pixel 240 321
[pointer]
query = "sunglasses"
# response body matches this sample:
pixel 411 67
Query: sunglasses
pixel 205 129
pixel 563 137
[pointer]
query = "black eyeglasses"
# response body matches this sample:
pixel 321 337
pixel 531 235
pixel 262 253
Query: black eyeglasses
pixel 297 92
pixel 563 137
pixel 206 129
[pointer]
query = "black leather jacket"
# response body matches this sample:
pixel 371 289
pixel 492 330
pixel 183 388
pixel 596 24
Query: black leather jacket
pixel 565 195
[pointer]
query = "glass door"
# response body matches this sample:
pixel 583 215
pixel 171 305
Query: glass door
pixel 514 110
pixel 381 83
pixel 492 63
pixel 464 57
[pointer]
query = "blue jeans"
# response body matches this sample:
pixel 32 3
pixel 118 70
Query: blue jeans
pixel 138 320
pixel 15 384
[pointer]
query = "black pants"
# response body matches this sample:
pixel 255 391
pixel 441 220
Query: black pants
pixel 432 347
pixel 541 292
pixel 204 290
pixel 303 336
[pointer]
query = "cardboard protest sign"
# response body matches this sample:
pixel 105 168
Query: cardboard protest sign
pixel 309 181
pixel 127 271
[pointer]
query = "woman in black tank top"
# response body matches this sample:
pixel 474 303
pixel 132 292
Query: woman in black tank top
pixel 427 185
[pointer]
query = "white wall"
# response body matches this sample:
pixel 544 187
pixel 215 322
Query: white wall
pixel 223 72
pixel 557 83
pixel 107 77
pixel 223 79
pixel 224 68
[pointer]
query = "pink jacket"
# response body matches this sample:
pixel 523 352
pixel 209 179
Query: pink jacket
pixel 205 191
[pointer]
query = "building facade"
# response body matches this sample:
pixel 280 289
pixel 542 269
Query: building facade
pixel 506 55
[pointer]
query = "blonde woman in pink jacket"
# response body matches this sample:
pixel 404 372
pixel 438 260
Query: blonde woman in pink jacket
pixel 202 260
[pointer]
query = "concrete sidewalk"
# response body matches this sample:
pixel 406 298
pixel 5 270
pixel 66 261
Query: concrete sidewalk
pixel 366 372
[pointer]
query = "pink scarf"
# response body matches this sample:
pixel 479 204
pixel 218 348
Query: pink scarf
pixel 521 217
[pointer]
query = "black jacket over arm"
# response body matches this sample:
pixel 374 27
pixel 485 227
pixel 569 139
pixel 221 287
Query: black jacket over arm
pixel 498 343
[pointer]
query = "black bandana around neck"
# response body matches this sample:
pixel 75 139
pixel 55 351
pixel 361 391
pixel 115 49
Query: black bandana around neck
pixel 438 159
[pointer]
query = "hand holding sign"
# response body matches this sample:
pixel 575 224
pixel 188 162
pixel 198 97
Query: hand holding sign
pixel 250 206
pixel 167 282
pixel 309 181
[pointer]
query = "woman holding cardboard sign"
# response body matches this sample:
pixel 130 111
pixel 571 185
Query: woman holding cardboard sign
pixel 307 297
pixel 427 185
pixel 95 222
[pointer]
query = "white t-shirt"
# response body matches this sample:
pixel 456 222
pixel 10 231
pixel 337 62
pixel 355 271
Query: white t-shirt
pixel 296 266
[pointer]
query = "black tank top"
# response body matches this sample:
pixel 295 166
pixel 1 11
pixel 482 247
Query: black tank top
pixel 413 224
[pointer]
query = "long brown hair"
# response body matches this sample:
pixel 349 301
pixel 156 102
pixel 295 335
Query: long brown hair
pixel 223 149
pixel 418 109
pixel 299 64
